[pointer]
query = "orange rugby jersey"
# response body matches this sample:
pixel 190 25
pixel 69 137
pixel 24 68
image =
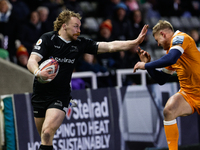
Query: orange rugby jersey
pixel 187 66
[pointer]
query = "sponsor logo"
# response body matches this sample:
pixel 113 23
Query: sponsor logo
pixel 39 42
pixel 178 40
pixel 86 110
pixel 52 37
pixel 56 46
pixel 74 49
pixel 59 103
pixel 37 47
pixel 65 60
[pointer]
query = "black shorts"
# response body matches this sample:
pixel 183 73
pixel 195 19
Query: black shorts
pixel 41 103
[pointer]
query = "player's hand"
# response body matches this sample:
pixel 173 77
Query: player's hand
pixel 144 56
pixel 47 74
pixel 142 34
pixel 139 65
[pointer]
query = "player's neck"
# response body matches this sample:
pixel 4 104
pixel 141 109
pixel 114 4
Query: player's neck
pixel 62 33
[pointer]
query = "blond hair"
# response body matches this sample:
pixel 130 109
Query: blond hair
pixel 64 17
pixel 162 24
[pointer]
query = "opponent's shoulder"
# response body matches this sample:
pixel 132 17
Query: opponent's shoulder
pixel 179 37
pixel 178 34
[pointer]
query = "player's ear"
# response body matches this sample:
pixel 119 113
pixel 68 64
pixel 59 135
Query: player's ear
pixel 64 26
pixel 162 33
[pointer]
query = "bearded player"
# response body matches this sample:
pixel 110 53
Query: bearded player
pixel 183 57
pixel 50 100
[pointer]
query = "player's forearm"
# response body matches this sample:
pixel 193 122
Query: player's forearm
pixel 33 63
pixel 123 45
pixel 159 76
pixel 116 46
pixel 164 61
pixel 32 66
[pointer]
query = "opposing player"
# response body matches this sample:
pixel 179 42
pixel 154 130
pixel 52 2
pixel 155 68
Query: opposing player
pixel 183 57
pixel 50 100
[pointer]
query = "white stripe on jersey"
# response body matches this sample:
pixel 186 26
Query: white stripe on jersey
pixel 37 54
pixel 178 48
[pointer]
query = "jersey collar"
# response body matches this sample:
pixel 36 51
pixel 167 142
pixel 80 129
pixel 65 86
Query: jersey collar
pixel 64 40
pixel 176 32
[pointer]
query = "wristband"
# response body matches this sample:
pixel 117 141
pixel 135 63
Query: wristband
pixel 36 72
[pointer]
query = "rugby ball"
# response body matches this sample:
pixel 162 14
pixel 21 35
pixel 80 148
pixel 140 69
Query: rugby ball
pixel 48 64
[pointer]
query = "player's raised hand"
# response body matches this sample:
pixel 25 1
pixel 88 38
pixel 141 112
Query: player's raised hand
pixel 139 65
pixel 142 34
pixel 144 56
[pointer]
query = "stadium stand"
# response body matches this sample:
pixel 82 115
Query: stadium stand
pixel 14 79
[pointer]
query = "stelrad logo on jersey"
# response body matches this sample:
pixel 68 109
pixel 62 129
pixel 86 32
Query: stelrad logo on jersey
pixel 65 60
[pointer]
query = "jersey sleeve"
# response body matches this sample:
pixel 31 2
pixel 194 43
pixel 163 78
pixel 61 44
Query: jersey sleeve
pixel 91 46
pixel 180 42
pixel 41 47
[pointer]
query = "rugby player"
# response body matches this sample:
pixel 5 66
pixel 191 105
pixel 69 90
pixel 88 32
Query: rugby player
pixel 50 100
pixel 181 56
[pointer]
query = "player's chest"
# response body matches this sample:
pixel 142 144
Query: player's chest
pixel 65 50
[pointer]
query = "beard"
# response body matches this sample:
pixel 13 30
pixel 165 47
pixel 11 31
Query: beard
pixel 75 36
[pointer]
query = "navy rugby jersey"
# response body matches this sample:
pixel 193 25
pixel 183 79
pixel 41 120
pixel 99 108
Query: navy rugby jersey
pixel 66 53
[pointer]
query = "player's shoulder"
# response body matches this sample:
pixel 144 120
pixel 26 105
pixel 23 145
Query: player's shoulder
pixel 50 35
pixel 46 38
pixel 82 38
pixel 179 37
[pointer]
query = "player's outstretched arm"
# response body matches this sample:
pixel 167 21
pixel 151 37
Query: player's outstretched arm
pixel 115 46
pixel 166 60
